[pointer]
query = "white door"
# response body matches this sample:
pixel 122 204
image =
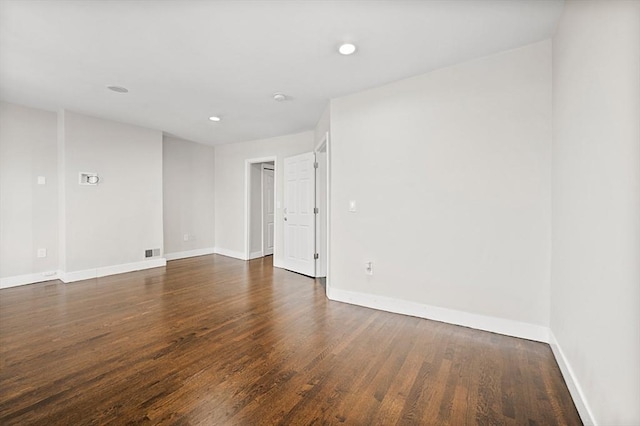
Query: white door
pixel 268 210
pixel 299 217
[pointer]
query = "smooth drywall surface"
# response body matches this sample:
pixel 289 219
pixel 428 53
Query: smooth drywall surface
pixel 28 210
pixel 450 174
pixel 188 195
pixel 595 291
pixel 230 177
pixel 114 222
pixel 323 126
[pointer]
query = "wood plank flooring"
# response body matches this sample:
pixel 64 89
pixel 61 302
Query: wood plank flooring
pixel 217 341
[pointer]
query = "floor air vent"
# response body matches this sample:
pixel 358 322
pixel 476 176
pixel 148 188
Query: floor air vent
pixel 152 252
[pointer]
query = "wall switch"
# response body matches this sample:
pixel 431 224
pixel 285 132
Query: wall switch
pixel 186 237
pixel 42 180
pixel 88 178
pixel 352 206
pixel 368 268
pixel 42 252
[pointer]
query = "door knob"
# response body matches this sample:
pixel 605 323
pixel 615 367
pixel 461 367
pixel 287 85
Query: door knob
pixel 285 218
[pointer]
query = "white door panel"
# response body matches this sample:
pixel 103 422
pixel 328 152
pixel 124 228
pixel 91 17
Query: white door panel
pixel 299 217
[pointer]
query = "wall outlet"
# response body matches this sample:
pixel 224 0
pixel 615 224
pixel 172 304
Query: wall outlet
pixel 42 252
pixel 368 268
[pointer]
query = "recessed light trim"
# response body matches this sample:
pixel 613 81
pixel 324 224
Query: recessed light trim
pixel 215 118
pixel 279 97
pixel 347 49
pixel 118 89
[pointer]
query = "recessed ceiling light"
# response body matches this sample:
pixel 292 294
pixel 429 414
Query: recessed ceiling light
pixel 279 97
pixel 214 118
pixel 347 48
pixel 118 89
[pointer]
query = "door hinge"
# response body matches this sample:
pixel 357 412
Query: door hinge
pixel 315 165
pixel 315 210
pixel 315 255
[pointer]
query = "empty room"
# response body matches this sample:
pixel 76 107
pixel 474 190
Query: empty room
pixel 294 212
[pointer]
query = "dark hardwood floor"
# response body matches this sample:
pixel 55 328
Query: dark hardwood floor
pixel 217 341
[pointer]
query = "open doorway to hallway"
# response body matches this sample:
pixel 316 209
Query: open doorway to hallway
pixel 261 207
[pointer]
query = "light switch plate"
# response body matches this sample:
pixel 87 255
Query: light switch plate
pixel 42 180
pixel 352 206
pixel 42 252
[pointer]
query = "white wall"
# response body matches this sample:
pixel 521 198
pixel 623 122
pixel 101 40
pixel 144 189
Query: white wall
pixel 595 296
pixel 188 197
pixel 28 211
pixel 323 126
pixel 451 174
pixel 230 188
pixel 114 222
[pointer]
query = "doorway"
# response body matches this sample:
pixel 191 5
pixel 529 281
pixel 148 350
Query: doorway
pixel 299 214
pixel 306 212
pixel 268 208
pixel 260 227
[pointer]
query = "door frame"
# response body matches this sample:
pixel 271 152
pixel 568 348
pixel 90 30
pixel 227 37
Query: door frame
pixel 325 145
pixel 247 203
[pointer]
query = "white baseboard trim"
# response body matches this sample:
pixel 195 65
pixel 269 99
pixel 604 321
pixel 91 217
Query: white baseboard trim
pixel 481 322
pixel 28 279
pixel 572 382
pixel 230 253
pixel 68 277
pixel 255 255
pixel 189 253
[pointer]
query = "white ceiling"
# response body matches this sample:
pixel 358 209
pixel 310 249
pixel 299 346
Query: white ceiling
pixel 183 61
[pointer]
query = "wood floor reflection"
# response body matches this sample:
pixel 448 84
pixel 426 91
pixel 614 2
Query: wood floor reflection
pixel 216 341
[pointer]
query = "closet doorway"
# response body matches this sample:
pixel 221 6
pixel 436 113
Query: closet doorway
pixel 261 205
